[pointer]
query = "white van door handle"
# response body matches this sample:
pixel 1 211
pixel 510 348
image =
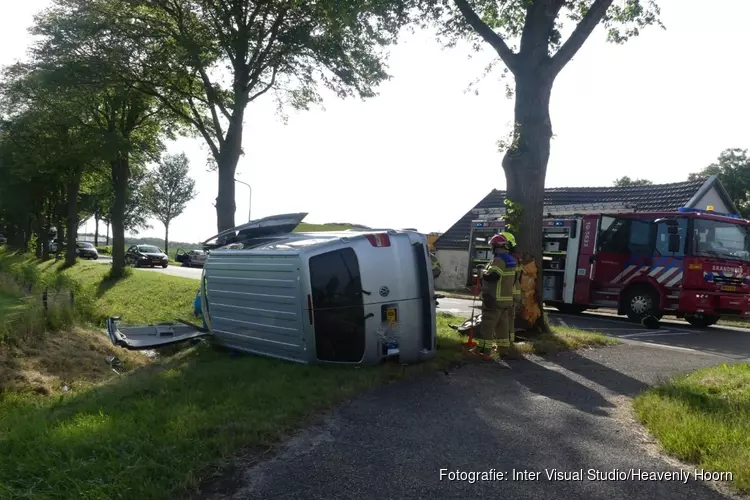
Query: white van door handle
pixel 369 315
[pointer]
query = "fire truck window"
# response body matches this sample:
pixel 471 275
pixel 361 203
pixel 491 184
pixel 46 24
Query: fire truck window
pixel 662 239
pixel 640 237
pixel 614 235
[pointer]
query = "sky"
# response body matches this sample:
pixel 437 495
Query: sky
pixel 423 152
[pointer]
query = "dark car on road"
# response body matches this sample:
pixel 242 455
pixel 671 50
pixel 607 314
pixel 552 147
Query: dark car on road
pixel 86 250
pixel 191 258
pixel 146 255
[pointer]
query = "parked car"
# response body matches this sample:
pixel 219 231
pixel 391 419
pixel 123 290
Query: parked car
pixel 86 250
pixel 192 258
pixel 146 255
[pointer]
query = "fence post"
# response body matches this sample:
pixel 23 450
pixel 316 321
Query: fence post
pixel 72 299
pixel 44 299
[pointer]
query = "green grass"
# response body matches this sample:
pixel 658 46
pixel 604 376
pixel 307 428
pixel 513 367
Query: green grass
pixel 139 297
pixel 162 427
pixel 704 418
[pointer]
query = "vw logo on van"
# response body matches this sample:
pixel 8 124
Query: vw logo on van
pixel 384 291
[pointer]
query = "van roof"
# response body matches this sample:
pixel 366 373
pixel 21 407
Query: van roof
pixel 301 241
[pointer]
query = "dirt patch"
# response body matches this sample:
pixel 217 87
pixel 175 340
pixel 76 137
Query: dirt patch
pixel 61 361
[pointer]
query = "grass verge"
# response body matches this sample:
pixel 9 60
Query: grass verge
pixel 138 297
pixel 71 428
pixel 704 418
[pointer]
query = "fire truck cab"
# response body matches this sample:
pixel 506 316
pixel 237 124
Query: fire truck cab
pixel 694 264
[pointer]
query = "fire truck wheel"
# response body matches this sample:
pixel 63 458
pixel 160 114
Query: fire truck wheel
pixel 570 308
pixel 701 320
pixel 640 302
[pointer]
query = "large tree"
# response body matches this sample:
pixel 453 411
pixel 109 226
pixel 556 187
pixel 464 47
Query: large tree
pixel 527 36
pixel 212 58
pixel 733 170
pixel 168 190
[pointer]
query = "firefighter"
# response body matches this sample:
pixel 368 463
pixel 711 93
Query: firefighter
pixel 517 302
pixel 498 278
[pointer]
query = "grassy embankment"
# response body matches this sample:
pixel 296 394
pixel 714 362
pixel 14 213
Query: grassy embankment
pixel 70 427
pixel 704 418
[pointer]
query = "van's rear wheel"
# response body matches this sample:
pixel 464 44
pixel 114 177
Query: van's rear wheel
pixel 640 302
pixel 701 320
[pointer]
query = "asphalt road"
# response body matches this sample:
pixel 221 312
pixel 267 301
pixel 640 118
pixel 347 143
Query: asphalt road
pixel 174 270
pixel 567 413
pixel 730 342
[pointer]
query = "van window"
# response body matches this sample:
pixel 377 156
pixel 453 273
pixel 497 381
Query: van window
pixel 339 314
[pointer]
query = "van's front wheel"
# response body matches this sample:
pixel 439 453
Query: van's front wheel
pixel 640 302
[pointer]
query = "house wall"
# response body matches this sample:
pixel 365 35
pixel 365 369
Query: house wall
pixel 454 265
pixel 712 198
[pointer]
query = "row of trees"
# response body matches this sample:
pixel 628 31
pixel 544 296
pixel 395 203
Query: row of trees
pixel 42 195
pixel 117 77
pixel 732 167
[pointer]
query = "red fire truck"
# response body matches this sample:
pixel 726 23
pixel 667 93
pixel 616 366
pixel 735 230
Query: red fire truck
pixel 694 264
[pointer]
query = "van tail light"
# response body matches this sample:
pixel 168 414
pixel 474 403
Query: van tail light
pixel 379 239
pixel 309 308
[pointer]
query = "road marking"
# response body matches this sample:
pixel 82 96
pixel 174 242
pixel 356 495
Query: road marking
pixel 609 328
pixel 646 334
pixel 677 348
pixel 562 322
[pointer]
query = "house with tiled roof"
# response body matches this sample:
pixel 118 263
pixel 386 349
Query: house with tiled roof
pixel 452 247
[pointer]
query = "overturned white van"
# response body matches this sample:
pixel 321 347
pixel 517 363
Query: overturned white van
pixel 330 297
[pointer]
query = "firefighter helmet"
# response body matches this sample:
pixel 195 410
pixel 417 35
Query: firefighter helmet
pixel 511 239
pixel 499 240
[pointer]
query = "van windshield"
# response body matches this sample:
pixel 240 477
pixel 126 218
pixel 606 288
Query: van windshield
pixel 721 240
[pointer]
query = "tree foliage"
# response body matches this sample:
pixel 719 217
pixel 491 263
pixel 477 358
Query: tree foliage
pixel 625 181
pixel 78 43
pixel 168 190
pixel 209 59
pixel 733 170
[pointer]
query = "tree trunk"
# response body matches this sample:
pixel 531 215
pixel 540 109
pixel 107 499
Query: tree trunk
pixel 27 233
pixel 45 240
pixel 60 234
pixel 227 161
pixel 120 177
pixel 73 187
pixel 166 239
pixel 525 165
pixel 107 240
pixel 96 229
pixel 39 236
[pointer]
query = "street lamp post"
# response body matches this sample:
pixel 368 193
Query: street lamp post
pixel 249 199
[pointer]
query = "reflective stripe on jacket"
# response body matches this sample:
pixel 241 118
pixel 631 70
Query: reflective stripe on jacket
pixel 504 268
